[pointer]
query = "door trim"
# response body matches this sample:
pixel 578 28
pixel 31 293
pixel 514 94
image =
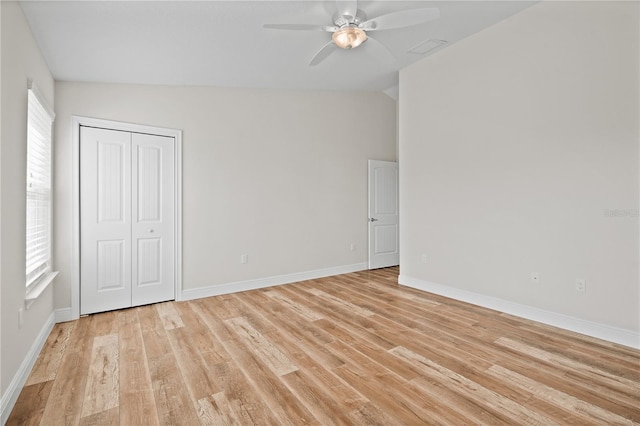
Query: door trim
pixel 76 123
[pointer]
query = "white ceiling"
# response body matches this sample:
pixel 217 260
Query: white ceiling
pixel 222 43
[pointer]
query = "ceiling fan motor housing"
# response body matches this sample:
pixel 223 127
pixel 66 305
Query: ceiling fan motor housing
pixel 347 20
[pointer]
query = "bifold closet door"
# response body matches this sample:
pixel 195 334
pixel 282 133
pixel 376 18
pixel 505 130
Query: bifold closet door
pixel 127 219
pixel 153 219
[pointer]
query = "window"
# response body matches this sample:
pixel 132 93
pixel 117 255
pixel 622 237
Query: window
pixel 38 238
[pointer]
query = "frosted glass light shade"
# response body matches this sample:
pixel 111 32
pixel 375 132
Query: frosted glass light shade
pixel 349 37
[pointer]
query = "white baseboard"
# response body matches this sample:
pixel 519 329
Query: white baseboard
pixel 239 286
pixel 63 315
pixel 10 397
pixel 601 331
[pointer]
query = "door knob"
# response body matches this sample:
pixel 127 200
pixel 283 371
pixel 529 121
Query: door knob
pixel 373 219
pixel 150 230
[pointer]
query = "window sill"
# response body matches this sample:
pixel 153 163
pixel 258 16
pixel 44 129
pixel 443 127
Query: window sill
pixel 34 292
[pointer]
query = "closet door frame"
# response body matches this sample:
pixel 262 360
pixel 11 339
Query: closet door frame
pixel 76 123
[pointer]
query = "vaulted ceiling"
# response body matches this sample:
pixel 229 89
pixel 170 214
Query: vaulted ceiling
pixel 223 43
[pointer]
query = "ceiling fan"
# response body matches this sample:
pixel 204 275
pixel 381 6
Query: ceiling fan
pixel 351 27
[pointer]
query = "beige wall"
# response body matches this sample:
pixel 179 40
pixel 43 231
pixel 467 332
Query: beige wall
pixel 1 388
pixel 513 144
pixel 21 60
pixel 278 175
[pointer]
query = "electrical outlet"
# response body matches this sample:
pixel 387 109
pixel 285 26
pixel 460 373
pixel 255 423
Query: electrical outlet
pixel 581 285
pixel 535 277
pixel 20 317
pixel 423 259
pixel 244 258
pixel 353 247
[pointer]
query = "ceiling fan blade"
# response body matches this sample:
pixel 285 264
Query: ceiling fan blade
pixel 300 27
pixel 347 7
pixel 323 53
pixel 402 18
pixel 379 50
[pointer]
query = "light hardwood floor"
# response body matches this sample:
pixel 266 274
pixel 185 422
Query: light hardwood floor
pixel 350 349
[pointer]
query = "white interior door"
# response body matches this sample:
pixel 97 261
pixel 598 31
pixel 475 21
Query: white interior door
pixel 153 219
pixel 126 219
pixel 383 214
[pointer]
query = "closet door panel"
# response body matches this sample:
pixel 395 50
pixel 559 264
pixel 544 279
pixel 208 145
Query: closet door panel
pixel 153 212
pixel 105 224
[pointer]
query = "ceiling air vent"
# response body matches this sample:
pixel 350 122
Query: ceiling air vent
pixel 427 46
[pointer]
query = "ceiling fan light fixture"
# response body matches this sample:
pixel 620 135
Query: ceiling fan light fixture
pixel 349 37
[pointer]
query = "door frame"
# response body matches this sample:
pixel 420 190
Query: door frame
pixel 76 123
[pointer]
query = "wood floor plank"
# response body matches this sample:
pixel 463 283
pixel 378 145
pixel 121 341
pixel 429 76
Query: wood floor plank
pixel 245 402
pixel 169 316
pixel 616 382
pixel 353 349
pixel 490 399
pixel 370 414
pixel 311 356
pixel 173 403
pixel 209 312
pixel 265 350
pixel 344 304
pixel 195 336
pixel 103 383
pixel 415 309
pixel 393 400
pixel 325 409
pixel 283 405
pixel 316 386
pixel 66 398
pixel 30 405
pixel 196 351
pixel 195 372
pixel 342 324
pixel 107 323
pixel 580 408
pixel 456 407
pixel 47 366
pixel 217 410
pixel 154 334
pixel 302 330
pixel 137 403
pixel 575 383
pixel 399 396
pixel 478 345
pixel 296 307
pixel 110 417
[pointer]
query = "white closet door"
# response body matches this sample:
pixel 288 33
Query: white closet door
pixel 127 219
pixel 383 214
pixel 153 216
pixel 105 224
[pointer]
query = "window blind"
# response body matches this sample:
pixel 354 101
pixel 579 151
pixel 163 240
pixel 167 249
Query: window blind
pixel 38 238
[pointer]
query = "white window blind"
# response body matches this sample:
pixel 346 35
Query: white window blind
pixel 38 238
